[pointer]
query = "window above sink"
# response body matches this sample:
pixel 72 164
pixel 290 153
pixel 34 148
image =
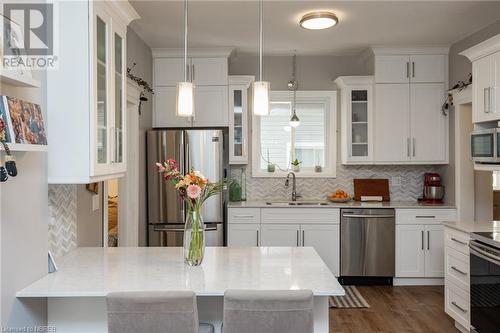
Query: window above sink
pixel 313 142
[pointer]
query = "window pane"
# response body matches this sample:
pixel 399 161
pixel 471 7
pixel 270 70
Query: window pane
pixel 276 136
pixel 310 135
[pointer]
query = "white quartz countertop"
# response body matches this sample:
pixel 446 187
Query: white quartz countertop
pixel 350 204
pixel 94 272
pixel 473 226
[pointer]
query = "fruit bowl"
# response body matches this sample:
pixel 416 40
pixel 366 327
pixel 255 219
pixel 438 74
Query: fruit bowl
pixel 339 196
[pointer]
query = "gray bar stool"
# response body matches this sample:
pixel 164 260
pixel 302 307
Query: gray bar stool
pixel 273 311
pixel 154 312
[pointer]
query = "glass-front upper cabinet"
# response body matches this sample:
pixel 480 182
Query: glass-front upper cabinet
pixel 119 97
pixel 356 117
pixel 239 108
pixel 110 97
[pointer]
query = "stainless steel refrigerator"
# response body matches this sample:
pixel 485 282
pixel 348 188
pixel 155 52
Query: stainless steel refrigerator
pixel 204 150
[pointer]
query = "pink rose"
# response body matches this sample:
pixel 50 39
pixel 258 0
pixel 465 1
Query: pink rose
pixel 193 191
pixel 161 168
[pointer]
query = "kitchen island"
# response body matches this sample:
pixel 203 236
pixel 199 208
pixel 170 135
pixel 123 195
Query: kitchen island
pixel 76 294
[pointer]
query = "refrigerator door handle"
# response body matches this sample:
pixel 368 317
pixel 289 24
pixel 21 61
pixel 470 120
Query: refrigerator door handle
pixel 168 229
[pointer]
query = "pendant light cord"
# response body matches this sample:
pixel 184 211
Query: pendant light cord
pixel 261 37
pixel 185 39
pixel 295 82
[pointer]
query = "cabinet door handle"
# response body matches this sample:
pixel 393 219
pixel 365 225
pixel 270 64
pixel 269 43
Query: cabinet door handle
pixel 258 241
pixel 428 240
pixel 298 238
pixel 187 73
pixel 491 104
pixel 425 217
pixel 414 145
pixel 457 241
pixel 459 307
pixel 244 216
pixel 303 238
pixel 457 270
pixel 407 69
pixel 408 147
pixel 193 78
pixel 413 69
pixel 422 235
pixel 486 100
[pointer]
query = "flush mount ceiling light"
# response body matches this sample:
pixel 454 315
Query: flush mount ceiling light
pixel 318 20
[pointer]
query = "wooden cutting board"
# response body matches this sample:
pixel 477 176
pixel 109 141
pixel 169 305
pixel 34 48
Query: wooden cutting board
pixel 371 187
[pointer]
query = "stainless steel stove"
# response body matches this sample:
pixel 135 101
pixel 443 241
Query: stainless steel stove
pixel 485 282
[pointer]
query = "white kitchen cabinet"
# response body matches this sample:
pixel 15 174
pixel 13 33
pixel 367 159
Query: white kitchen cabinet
pixel 356 119
pixel 209 73
pixel 410 255
pixel 428 68
pixel 243 234
pixel 485 58
pixel 420 242
pixel 92 135
pixel 434 258
pixel 280 235
pixel 169 71
pixel 210 106
pixel 326 241
pixel 392 123
pixel 428 124
pixel 418 68
pixel 392 69
pixel 239 101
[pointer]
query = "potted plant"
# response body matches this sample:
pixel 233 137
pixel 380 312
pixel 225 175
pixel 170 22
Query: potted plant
pixel 296 165
pixel 194 190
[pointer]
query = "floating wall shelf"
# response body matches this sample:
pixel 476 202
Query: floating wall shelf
pixel 17 80
pixel 25 147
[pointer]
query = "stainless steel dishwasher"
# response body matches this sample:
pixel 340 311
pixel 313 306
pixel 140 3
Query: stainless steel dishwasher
pixel 367 242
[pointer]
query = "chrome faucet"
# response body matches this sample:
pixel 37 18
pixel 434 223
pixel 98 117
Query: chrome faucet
pixel 294 185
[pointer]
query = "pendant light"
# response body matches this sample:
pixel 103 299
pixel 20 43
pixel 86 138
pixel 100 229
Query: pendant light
pixel 261 88
pixel 293 85
pixel 185 89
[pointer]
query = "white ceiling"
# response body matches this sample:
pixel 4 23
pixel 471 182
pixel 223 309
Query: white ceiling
pixel 362 23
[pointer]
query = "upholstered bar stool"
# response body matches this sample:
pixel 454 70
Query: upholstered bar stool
pixel 280 311
pixel 154 312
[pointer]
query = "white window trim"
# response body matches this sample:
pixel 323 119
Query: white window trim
pixel 330 98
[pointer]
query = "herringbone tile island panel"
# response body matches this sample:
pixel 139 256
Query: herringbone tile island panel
pixel 62 213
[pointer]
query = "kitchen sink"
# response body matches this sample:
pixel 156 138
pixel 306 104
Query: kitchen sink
pixel 296 203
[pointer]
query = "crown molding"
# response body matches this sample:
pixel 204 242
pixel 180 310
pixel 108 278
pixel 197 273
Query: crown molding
pixel 483 49
pixel 411 50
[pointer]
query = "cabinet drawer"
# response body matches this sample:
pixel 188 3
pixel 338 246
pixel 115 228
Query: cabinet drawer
pixel 457 304
pixel 301 215
pixel 457 240
pixel 424 216
pixel 457 268
pixel 244 215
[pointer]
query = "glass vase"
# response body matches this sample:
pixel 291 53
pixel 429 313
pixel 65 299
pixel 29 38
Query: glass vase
pixel 194 238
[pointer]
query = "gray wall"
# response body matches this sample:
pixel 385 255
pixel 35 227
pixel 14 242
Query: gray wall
pixel 460 66
pixel 23 223
pixel 140 53
pixel 313 72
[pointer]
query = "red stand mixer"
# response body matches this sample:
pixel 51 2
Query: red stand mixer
pixel 433 192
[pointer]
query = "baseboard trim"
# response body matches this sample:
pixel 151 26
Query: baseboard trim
pixel 418 282
pixel 461 328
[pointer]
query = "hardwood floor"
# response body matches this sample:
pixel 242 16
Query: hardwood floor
pixel 418 309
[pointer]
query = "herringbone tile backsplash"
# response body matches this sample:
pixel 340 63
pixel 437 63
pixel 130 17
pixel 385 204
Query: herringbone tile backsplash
pixel 318 188
pixel 62 215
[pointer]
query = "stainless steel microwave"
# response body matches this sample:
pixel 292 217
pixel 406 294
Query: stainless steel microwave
pixel 484 145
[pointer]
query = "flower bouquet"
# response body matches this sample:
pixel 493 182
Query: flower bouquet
pixel 194 190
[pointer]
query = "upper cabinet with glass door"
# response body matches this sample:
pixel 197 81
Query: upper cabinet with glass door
pixel 87 92
pixel 356 118
pixel 239 102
